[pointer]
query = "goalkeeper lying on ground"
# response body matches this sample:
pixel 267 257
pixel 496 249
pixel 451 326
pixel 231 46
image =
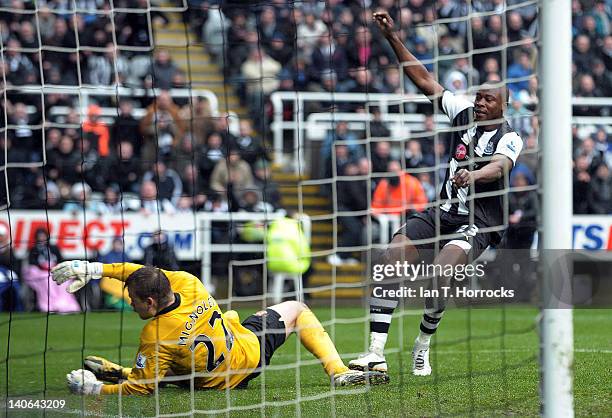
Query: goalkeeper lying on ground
pixel 188 332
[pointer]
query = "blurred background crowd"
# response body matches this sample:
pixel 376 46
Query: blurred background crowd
pixel 170 154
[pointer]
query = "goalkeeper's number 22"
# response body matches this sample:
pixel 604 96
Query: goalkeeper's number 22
pixel 211 362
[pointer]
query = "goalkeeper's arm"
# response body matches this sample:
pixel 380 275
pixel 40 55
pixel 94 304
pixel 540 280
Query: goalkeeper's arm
pixel 83 271
pixel 413 68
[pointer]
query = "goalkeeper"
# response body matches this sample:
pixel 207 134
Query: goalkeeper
pixel 187 333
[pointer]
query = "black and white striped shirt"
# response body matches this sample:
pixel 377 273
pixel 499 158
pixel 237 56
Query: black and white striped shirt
pixel 468 141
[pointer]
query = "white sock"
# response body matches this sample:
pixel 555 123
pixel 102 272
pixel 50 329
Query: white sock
pixel 377 342
pixel 424 338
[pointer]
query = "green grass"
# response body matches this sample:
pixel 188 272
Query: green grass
pixel 485 364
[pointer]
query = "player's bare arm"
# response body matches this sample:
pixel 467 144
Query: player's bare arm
pixel 413 68
pixel 498 167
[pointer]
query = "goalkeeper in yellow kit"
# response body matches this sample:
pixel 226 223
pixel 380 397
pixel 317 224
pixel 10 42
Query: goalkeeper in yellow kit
pixel 187 334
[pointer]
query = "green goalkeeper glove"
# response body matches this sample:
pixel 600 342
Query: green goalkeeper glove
pixel 79 271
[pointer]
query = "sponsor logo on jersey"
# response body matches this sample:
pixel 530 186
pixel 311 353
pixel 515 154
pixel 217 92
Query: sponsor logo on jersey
pixel 141 359
pixel 511 146
pixel 460 152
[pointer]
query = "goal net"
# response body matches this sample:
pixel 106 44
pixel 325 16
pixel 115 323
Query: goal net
pixel 272 149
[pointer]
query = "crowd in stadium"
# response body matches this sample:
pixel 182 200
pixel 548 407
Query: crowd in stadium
pixel 316 46
pixel 179 157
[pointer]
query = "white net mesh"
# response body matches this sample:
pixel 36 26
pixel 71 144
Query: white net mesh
pixel 202 119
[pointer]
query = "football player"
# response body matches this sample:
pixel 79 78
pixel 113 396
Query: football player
pixel 187 333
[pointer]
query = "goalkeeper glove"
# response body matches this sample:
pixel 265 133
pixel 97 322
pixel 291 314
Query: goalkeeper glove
pixel 79 271
pixel 83 382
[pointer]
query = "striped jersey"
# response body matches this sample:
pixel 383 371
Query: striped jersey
pixel 472 144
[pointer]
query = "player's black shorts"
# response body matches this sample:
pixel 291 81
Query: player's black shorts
pixel 270 338
pixel 422 226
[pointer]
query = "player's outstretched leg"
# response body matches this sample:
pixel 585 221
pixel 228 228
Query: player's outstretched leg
pixel 106 370
pixel 434 309
pixel 381 309
pixel 299 318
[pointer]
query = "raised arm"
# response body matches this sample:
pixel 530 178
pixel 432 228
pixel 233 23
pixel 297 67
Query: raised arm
pixel 413 68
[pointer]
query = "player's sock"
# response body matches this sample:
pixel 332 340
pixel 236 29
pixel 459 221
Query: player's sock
pixel 381 311
pixel 429 324
pixel 316 340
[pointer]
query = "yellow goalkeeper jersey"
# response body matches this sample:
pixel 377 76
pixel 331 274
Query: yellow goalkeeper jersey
pixel 189 336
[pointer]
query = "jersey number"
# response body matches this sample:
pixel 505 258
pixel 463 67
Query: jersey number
pixel 211 362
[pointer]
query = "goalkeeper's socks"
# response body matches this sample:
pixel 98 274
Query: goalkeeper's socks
pixel 316 340
pixel 381 311
pixel 429 324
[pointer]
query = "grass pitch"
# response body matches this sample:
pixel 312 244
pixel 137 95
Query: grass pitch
pixel 485 364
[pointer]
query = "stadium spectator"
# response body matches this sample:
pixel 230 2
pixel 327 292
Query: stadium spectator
pixel 581 181
pixel 160 253
pixel 126 168
pixel 583 55
pixel 529 156
pixel 328 56
pixel 422 52
pixel 7 258
pixel 599 196
pixel 251 147
pixel 97 131
pixel 398 194
pixel 134 27
pixel 20 68
pixel 340 135
pixel 231 177
pixel 25 138
pixel 602 78
pixel 209 155
pixel 364 83
pixel 606 52
pixel 161 126
pixel 251 200
pixel 115 294
pixel 601 14
pixel 80 200
pixel 201 122
pixel 194 186
pixel 42 257
pixel 10 290
pixel 222 127
pixel 111 204
pixel 214 33
pixel 169 184
pixel 150 204
pixel 378 128
pixel 126 127
pixel 308 33
pixel 520 70
pixel 352 196
pixel 523 210
pixel 63 162
pixel 381 157
pixel 263 180
pixel 46 21
pixel 162 69
pixel 259 72
pixel 10 285
pixel 586 88
pixel 428 187
pixel 415 157
pixel 279 51
pixel 519 117
pixel 183 154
